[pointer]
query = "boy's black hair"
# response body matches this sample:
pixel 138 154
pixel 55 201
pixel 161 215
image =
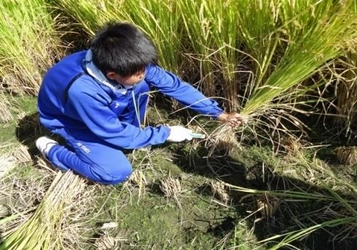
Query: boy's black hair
pixel 122 48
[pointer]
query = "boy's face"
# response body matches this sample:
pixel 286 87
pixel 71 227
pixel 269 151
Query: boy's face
pixel 127 80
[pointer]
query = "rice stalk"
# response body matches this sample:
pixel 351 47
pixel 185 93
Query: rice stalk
pixel 346 91
pixel 210 38
pixel 220 191
pixel 222 44
pixel 26 50
pixel 87 15
pixel 329 219
pixel 161 22
pixel 315 34
pixel 196 32
pixel 346 155
pixel 108 242
pixel 138 179
pixel 44 229
pixel 258 23
pixel 22 154
pixel 172 189
pixel 290 237
pixel 222 138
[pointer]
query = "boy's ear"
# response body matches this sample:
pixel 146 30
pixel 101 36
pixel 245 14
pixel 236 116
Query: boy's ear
pixel 110 75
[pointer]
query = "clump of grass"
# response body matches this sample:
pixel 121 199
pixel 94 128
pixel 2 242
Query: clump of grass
pixel 171 187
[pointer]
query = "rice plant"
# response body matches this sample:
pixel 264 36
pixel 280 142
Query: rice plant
pixel 29 44
pixel 161 22
pixel 258 24
pixel 85 15
pixel 345 72
pixel 315 33
pixel 210 38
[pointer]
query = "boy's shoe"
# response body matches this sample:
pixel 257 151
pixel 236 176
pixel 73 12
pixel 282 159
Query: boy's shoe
pixel 44 144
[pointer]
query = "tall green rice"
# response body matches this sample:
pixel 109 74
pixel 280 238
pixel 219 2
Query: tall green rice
pixel 211 29
pixel 29 44
pixel 311 34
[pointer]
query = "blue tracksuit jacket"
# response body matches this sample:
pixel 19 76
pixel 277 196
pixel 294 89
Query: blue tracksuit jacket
pixel 77 102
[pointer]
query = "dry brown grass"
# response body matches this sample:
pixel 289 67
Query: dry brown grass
pixel 108 242
pixel 171 187
pixel 220 191
pixel 138 180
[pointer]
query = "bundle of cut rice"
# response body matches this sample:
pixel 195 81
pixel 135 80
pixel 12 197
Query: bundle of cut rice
pixel 44 229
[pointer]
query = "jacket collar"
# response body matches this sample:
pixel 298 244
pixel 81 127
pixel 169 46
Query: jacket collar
pixel 97 74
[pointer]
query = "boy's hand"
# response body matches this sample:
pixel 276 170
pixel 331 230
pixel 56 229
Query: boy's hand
pixel 234 119
pixel 179 134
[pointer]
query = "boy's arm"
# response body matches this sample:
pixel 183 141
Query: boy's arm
pixel 171 85
pixel 189 96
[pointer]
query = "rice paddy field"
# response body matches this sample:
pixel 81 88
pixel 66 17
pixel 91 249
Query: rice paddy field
pixel 285 179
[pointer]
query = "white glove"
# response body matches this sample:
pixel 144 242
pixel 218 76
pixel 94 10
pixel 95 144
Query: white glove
pixel 179 133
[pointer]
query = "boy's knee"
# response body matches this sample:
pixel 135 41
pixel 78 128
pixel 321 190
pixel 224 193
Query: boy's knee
pixel 116 176
pixel 121 178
